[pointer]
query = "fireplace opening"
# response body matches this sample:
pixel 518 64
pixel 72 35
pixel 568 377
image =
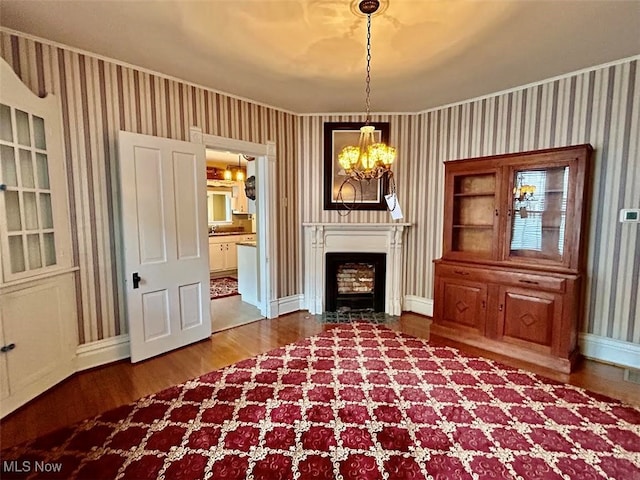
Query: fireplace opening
pixel 355 281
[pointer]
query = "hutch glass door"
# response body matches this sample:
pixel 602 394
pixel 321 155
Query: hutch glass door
pixel 538 214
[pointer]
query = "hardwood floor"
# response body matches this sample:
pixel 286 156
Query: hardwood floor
pixel 91 392
pixel 229 312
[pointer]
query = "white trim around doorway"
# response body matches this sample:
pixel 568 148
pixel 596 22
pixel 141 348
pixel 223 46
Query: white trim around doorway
pixel 265 154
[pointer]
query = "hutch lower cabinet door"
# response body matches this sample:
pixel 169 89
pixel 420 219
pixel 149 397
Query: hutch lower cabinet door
pixel 464 305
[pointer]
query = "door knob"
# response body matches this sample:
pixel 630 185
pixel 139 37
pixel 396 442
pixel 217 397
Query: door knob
pixel 8 348
pixel 136 280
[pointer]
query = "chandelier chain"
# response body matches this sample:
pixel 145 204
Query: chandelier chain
pixel 368 164
pixel 368 80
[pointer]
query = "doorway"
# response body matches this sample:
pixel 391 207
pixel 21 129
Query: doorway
pixel 232 239
pixel 265 225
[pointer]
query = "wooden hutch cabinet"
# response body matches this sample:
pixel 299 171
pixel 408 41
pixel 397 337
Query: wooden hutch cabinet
pixel 510 278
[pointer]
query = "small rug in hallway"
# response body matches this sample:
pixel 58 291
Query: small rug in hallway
pixel 223 287
pixel 357 402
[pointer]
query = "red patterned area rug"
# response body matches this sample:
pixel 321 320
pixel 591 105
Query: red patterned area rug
pixel 223 287
pixel 356 402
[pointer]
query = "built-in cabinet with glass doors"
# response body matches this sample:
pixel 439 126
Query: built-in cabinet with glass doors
pixel 38 309
pixel 512 271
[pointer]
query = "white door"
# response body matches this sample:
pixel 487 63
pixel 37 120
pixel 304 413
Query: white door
pixel 164 224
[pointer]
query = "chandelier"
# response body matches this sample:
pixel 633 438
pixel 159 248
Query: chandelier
pixel 523 195
pixel 370 159
pixel 523 192
pixel 239 173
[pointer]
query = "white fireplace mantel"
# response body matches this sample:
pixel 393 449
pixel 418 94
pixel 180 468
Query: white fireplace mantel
pixel 321 238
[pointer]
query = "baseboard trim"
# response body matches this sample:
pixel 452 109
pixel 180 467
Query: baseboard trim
pixel 609 350
pixel 421 305
pixel 603 349
pixel 95 354
pixel 102 352
pixel 292 303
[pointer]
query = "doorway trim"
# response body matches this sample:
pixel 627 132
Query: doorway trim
pixel 265 154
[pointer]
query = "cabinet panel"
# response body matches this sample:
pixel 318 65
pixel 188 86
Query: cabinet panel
pixel 216 257
pixel 231 256
pixel 527 315
pixel 223 256
pixel 38 321
pixel 4 374
pixel 464 304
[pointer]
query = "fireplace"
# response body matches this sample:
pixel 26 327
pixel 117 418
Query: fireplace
pixel 355 281
pixel 322 239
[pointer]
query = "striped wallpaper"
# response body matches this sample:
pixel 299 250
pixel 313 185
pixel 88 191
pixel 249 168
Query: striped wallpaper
pixel 99 98
pixel 600 107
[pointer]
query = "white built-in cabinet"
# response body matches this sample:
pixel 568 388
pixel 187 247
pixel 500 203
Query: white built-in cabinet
pixel 38 337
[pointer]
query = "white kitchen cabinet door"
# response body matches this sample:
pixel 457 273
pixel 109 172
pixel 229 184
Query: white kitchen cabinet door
pixel 231 256
pixel 216 257
pixel 223 256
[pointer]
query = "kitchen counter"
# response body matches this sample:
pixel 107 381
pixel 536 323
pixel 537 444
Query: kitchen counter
pixel 226 234
pixel 247 244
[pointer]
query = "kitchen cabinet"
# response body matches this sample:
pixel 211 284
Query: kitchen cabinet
pixel 511 275
pixel 239 198
pixel 222 256
pixel 223 252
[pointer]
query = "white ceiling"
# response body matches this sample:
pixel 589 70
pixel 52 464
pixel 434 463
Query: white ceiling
pixel 308 56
